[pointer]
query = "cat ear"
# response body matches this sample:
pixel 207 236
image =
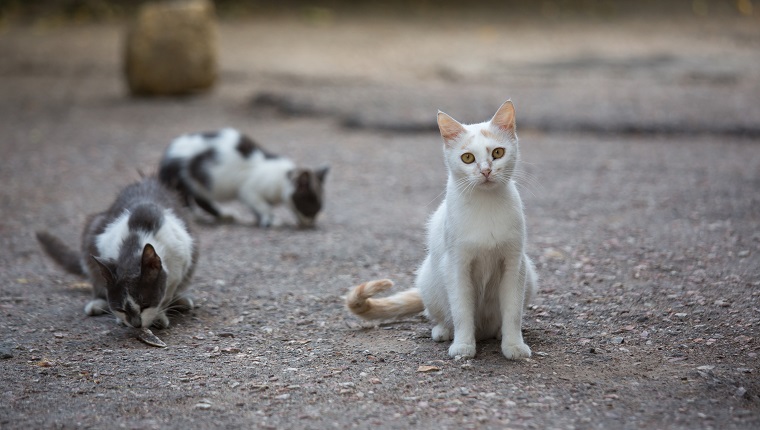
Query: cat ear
pixel 321 173
pixel 449 127
pixel 504 120
pixel 105 271
pixel 150 266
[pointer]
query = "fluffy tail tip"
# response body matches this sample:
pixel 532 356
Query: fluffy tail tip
pixel 356 301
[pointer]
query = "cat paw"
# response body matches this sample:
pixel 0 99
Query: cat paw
pixel 161 321
pixel 96 307
pixel 441 334
pixel 226 218
pixel 464 350
pixel 515 351
pixel 184 303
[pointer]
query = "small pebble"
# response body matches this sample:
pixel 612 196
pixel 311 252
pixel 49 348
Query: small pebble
pixel 5 353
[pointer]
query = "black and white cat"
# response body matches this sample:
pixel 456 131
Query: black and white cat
pixel 223 165
pixel 138 254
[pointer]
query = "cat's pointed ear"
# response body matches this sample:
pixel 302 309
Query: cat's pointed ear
pixel 504 119
pixel 150 265
pixel 105 270
pixel 321 173
pixel 450 128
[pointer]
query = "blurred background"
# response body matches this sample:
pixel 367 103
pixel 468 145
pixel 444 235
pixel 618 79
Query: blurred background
pixel 587 65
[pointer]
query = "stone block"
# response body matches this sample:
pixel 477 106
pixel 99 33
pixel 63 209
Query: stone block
pixel 171 48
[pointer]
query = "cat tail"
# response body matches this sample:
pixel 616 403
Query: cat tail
pixel 60 252
pixel 399 305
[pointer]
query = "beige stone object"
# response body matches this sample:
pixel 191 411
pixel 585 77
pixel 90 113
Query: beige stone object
pixel 171 48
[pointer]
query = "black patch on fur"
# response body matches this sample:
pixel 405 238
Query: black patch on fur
pixel 305 199
pixel 146 217
pixel 207 206
pixel 197 168
pixel 209 134
pixel 170 175
pixel 246 146
pixel 169 172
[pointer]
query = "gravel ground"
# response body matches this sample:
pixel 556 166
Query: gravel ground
pixel 640 144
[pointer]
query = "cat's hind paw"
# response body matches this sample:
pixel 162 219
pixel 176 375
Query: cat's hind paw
pixel 464 350
pixel 515 351
pixel 96 307
pixel 161 321
pixel 183 303
pixel 441 333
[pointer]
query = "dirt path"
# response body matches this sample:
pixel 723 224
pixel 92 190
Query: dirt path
pixel 643 212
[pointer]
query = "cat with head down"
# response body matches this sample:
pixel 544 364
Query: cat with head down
pixel 213 167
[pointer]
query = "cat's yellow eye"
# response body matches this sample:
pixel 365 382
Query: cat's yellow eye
pixel 498 153
pixel 468 158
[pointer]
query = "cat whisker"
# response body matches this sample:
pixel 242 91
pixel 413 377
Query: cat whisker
pixel 527 182
pixel 436 197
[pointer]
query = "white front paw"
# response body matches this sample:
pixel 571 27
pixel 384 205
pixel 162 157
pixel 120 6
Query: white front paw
pixel 464 350
pixel 515 351
pixel 441 333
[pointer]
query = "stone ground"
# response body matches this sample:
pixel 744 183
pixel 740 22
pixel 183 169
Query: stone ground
pixel 642 190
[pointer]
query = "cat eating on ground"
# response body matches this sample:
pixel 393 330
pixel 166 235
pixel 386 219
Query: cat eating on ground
pixel 476 278
pixel 139 256
pixel 218 166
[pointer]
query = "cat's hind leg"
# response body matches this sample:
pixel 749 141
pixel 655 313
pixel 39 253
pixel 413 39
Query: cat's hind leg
pixel 208 206
pixel 95 307
pixel 442 333
pixel 183 302
pixel 531 280
pixel 161 321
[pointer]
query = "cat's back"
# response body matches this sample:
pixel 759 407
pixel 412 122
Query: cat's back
pixel 225 145
pixel 148 212
pixel 148 190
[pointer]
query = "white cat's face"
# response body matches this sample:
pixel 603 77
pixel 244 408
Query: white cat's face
pixel 480 155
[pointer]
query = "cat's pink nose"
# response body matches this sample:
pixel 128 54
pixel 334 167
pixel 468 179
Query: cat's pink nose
pixel 486 172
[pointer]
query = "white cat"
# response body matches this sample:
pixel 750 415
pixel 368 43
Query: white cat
pixel 476 278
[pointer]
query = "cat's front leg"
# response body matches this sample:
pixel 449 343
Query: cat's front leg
pixel 511 297
pixel 260 208
pixel 462 301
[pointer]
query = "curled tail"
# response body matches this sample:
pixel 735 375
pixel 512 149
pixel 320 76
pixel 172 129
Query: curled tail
pixel 399 305
pixel 60 252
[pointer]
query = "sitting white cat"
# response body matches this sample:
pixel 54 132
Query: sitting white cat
pixel 476 278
